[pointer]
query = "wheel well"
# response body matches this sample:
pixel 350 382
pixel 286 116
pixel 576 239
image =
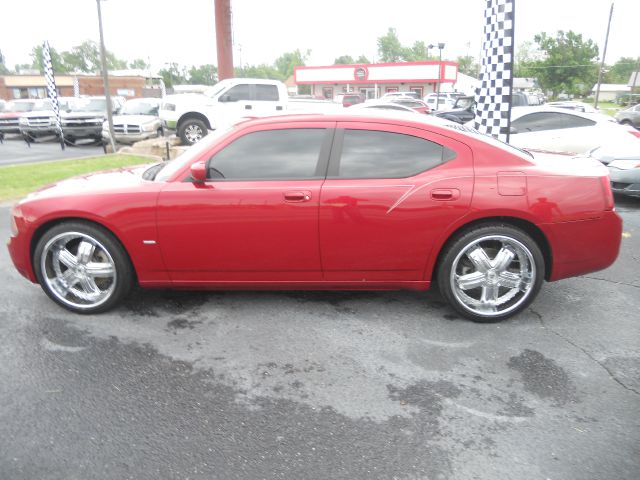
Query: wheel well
pixel 195 115
pixel 42 229
pixel 528 227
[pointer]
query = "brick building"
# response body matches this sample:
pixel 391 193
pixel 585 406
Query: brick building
pixel 34 86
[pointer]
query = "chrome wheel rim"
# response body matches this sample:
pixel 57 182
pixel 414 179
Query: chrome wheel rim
pixel 193 133
pixel 78 270
pixel 493 275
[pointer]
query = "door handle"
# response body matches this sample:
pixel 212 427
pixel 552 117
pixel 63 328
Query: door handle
pixel 248 107
pixel 445 194
pixel 297 196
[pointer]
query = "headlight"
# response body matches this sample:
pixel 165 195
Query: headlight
pixel 169 106
pixel 23 121
pixel 149 127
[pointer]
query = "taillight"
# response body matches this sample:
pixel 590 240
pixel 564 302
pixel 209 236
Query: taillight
pixel 635 133
pixel 608 194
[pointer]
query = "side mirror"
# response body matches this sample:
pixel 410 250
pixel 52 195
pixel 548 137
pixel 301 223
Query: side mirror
pixel 225 98
pixel 199 172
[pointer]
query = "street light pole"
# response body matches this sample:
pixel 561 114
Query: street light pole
pixel 440 47
pixel 604 54
pixel 105 78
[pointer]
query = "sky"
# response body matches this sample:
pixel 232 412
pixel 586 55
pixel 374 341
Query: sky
pixel 182 31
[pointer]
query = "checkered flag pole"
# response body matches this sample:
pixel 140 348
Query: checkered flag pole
pixel 51 86
pixel 493 98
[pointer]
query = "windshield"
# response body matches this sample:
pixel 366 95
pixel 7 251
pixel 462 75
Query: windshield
pixel 464 102
pixel 172 166
pixel 20 106
pixel 89 105
pixel 139 108
pixel 216 89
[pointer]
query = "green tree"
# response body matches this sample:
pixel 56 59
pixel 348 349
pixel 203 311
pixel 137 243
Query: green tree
pixel 258 71
pixel 57 61
pixel 389 47
pixel 203 75
pixel 526 56
pixel 416 53
pixel 621 71
pixel 569 64
pixel 86 58
pixel 139 63
pixel 172 75
pixel 286 62
pixel 468 65
pixel 3 68
pixel 362 59
pixel 344 60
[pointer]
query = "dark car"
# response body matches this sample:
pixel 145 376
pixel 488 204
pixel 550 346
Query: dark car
pixel 463 110
pixel 629 116
pixel 348 99
pixel 85 116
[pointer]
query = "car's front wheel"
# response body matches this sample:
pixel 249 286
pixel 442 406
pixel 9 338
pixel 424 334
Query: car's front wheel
pixel 192 130
pixel 82 267
pixel 491 272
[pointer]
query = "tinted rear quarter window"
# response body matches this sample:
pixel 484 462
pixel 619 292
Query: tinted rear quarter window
pixel 267 93
pixel 540 121
pixel 270 155
pixel 377 154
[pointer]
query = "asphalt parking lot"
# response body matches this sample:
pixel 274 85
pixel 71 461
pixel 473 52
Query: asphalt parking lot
pixel 303 385
pixel 14 150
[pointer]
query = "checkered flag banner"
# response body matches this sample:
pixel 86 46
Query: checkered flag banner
pixel 163 89
pixel 493 98
pixel 51 83
pixel 76 87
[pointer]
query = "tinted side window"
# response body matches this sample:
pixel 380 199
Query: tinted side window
pixel 267 92
pixel 269 155
pixel 239 92
pixel 374 154
pixel 537 122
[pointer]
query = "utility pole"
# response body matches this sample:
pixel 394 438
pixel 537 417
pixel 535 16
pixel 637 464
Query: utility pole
pixel 224 44
pixel 105 78
pixel 604 54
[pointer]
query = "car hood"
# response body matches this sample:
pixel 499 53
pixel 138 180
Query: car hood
pixel 82 114
pixel 107 182
pixel 134 119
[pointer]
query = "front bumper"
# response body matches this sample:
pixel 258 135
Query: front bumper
pixel 129 137
pixel 38 131
pixel 625 182
pixel 10 128
pixel 88 131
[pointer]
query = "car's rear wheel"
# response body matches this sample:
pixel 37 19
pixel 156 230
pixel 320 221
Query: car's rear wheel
pixel 192 130
pixel 82 267
pixel 491 272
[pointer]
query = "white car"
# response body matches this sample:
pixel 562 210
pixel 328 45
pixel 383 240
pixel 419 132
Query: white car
pixel 136 120
pixel 567 131
pixel 392 95
pixel 443 102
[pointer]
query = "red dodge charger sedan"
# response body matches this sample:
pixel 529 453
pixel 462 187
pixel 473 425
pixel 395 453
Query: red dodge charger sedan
pixel 325 202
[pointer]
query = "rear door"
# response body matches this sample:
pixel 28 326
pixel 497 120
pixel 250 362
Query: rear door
pixel 389 194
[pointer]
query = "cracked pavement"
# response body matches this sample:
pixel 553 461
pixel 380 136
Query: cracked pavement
pixel 304 385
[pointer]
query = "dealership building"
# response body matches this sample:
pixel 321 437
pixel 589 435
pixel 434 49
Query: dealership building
pixel 376 79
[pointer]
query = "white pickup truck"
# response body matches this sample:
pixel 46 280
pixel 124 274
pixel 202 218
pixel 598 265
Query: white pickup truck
pixel 193 115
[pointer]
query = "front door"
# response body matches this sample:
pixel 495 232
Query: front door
pixel 256 218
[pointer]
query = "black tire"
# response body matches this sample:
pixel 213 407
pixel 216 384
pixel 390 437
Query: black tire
pixel 89 280
pixel 526 270
pixel 192 130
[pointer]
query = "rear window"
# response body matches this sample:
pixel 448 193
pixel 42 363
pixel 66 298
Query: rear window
pixel 377 154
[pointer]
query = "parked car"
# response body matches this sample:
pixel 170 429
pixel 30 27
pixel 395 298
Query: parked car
pixel 10 117
pixel 464 110
pixel 84 117
pixel 629 116
pixel 418 105
pixel 624 168
pixel 568 131
pixel 136 120
pixel 392 95
pixel 571 105
pixel 383 106
pixel 3 105
pixel 349 99
pixel 41 121
pixel 325 202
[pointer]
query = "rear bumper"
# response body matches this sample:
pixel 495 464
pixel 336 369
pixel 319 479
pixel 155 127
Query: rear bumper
pixel 583 246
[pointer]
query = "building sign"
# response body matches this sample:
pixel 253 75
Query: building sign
pixel 361 74
pixel 126 92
